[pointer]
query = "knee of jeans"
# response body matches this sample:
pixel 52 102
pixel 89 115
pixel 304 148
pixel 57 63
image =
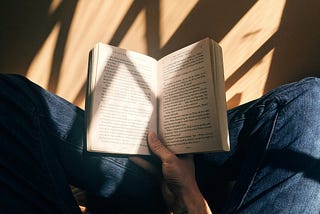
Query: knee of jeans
pixel 23 91
pixel 301 114
pixel 14 90
pixel 302 97
pixel 310 95
pixel 313 84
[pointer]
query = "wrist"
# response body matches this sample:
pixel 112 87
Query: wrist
pixel 194 202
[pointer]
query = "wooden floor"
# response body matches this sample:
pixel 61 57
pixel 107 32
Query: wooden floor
pixel 265 43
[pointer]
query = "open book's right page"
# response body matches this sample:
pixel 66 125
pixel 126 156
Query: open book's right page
pixel 190 119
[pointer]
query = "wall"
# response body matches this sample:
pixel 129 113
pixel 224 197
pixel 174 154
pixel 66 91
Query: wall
pixel 265 43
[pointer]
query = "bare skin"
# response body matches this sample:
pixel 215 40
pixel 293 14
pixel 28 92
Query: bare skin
pixel 180 189
pixel 179 186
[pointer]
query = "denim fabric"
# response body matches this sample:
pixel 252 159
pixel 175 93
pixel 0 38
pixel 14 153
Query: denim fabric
pixel 275 155
pixel 274 158
pixel 32 178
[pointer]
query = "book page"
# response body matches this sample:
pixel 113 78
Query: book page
pixel 123 101
pixel 187 120
pixel 219 90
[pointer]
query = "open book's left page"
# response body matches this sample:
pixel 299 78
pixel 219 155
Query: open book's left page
pixel 121 100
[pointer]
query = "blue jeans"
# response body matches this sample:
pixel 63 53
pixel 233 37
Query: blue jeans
pixel 274 159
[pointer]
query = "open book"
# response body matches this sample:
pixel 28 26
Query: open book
pixel 181 97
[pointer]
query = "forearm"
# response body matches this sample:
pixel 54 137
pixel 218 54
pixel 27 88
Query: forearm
pixel 194 202
pixel 180 189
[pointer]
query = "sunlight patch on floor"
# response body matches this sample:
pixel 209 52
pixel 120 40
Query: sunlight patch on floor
pixel 172 14
pixel 241 45
pixel 39 70
pixel 250 33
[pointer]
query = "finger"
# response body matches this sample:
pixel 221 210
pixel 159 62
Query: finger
pixel 158 148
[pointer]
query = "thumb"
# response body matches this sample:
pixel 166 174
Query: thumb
pixel 158 148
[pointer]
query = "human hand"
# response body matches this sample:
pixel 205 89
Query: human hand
pixel 180 189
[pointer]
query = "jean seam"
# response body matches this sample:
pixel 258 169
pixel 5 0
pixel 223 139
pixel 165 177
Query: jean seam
pixel 259 165
pixel 137 171
pixel 62 102
pixel 62 138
